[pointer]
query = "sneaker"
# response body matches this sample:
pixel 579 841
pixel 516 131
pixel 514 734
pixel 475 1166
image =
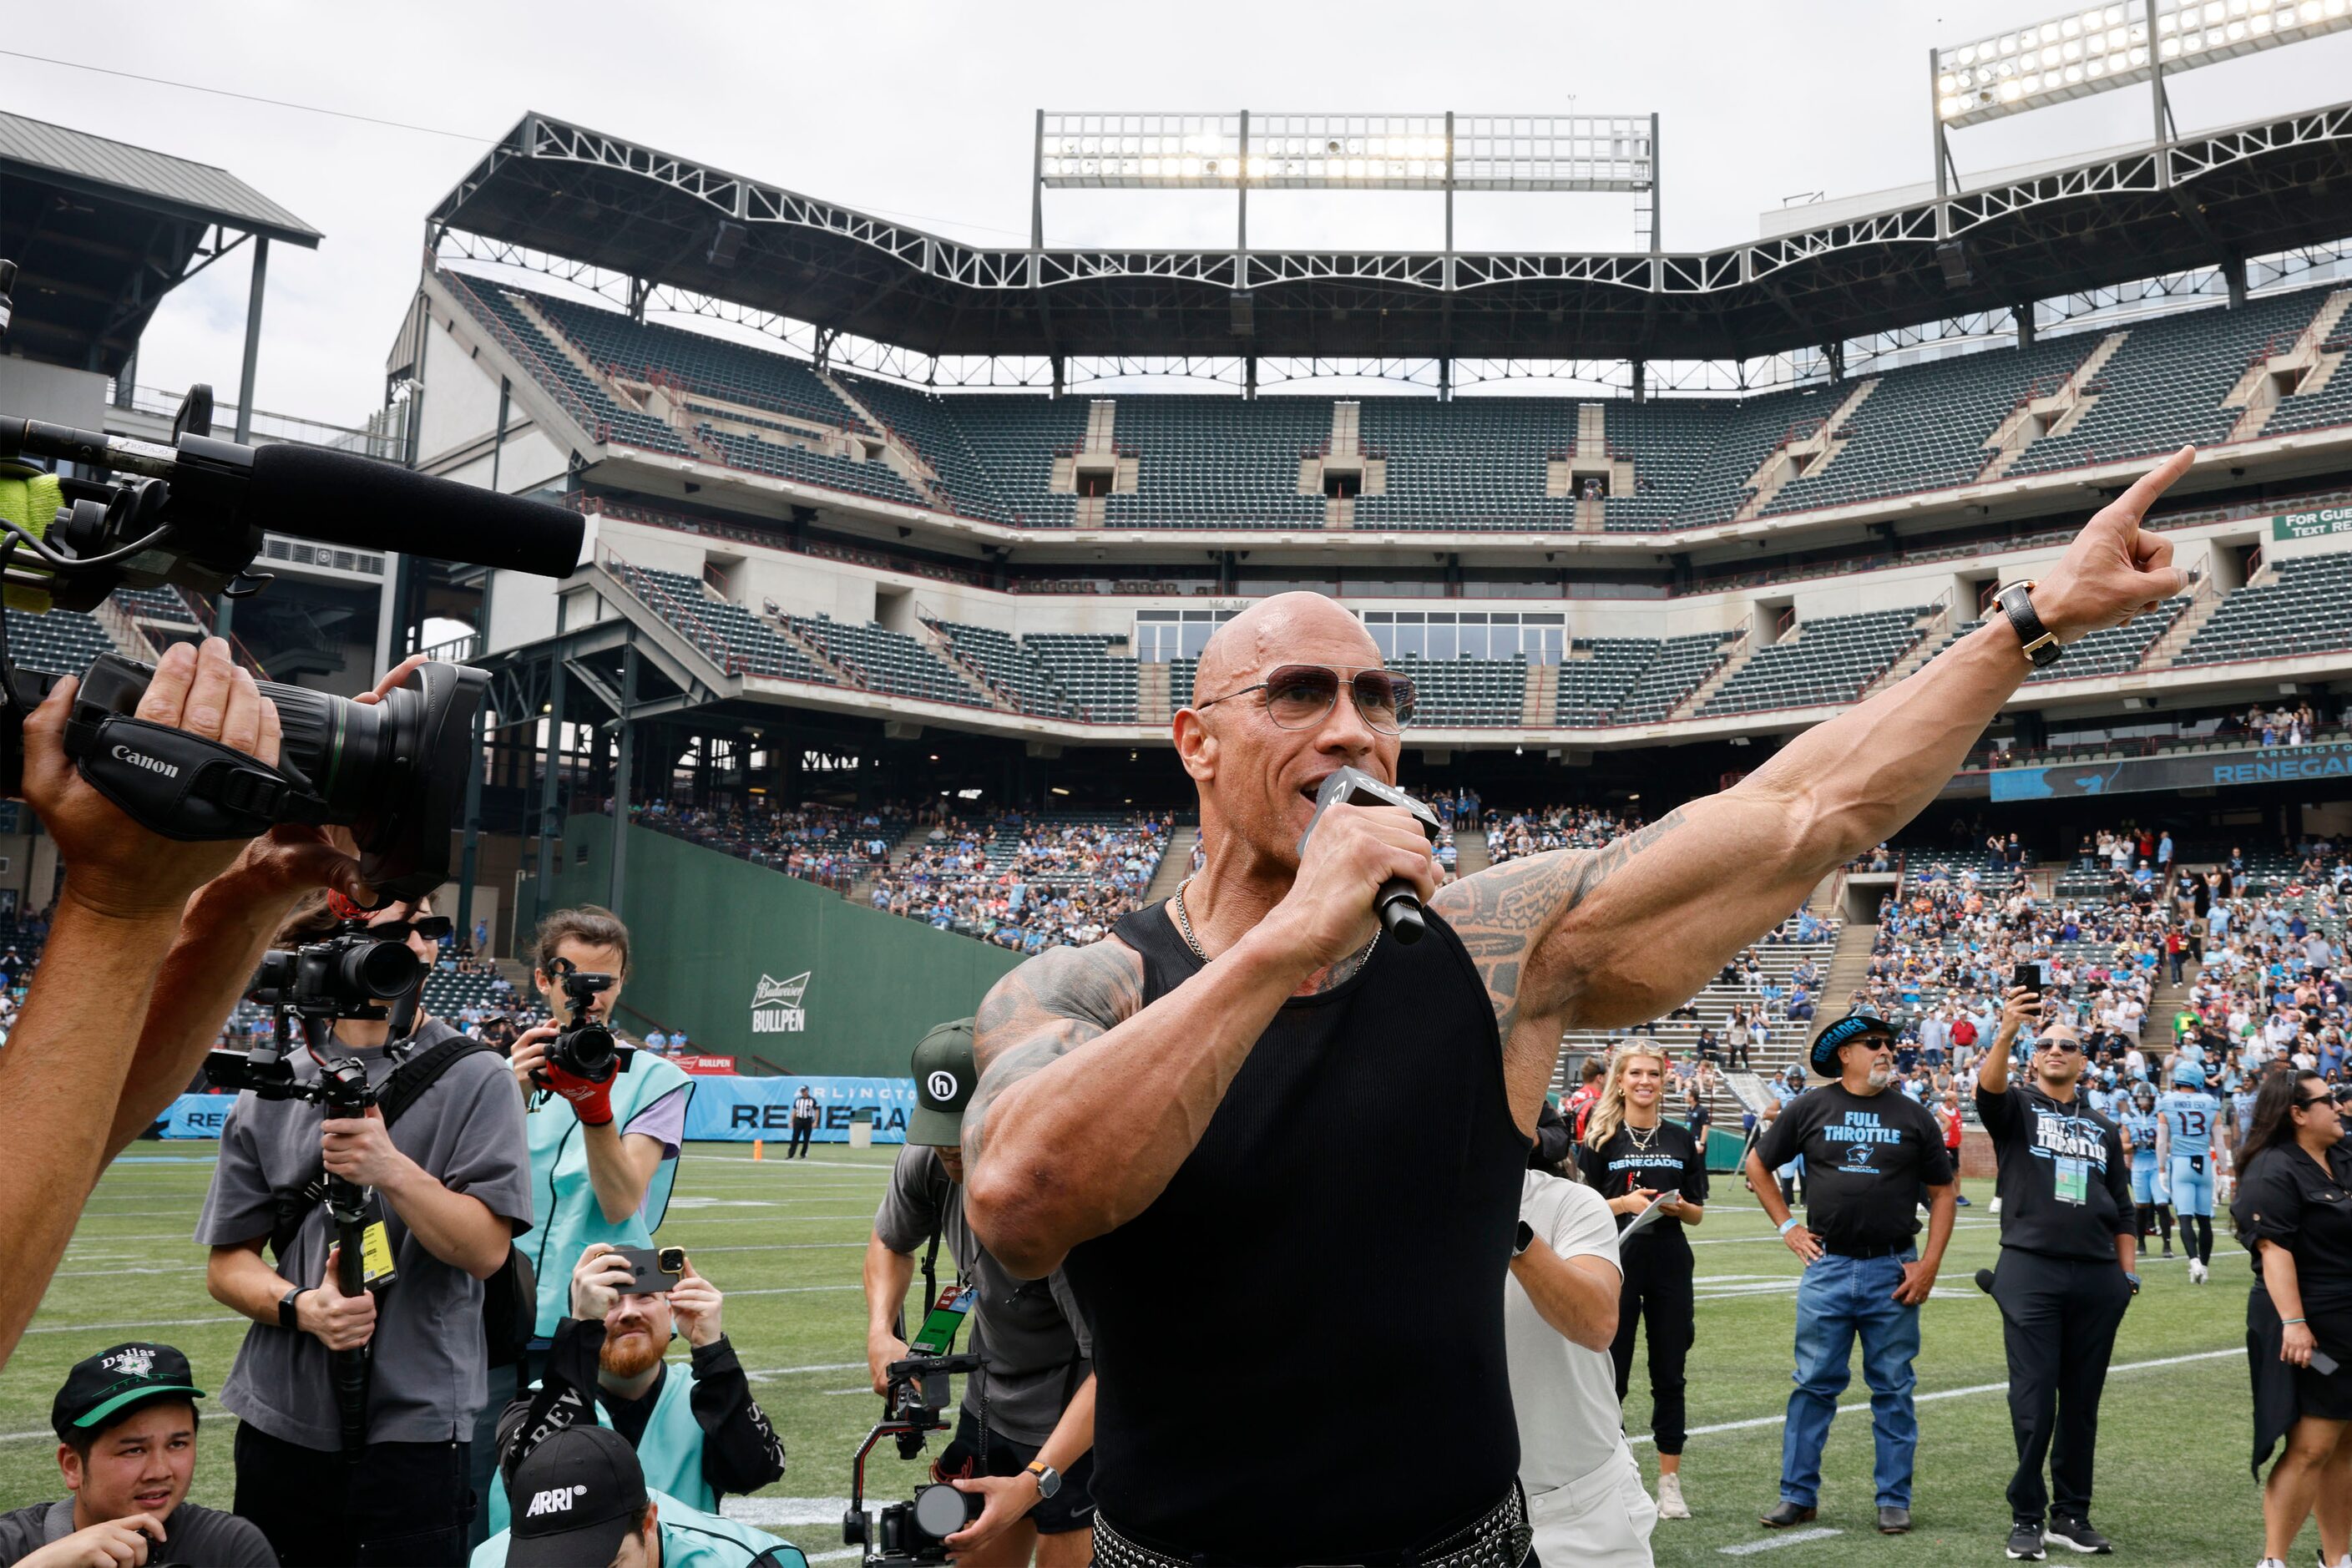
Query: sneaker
pixel 1963 1201
pixel 2025 1542
pixel 2079 1534
pixel 1669 1498
pixel 2168 1250
pixel 2198 1273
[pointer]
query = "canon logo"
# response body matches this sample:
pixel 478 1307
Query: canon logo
pixel 141 760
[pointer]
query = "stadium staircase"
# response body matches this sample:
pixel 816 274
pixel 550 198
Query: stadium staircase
pixel 1849 967
pixel 1804 451
pixel 2299 370
pixel 2163 1001
pixel 1175 865
pixel 130 638
pixel 1470 853
pixel 1935 629
pixel 1705 689
pixel 898 452
pixel 2185 626
pixel 861 890
pixel 1540 698
pixel 1153 701
pixel 944 649
pixel 2053 413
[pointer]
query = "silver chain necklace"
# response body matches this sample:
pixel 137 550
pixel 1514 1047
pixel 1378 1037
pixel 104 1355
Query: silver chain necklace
pixel 1642 1145
pixel 1185 924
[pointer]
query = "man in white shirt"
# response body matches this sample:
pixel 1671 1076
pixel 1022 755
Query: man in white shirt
pixel 1585 1500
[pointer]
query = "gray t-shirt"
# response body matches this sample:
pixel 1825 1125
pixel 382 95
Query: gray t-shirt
pixel 428 1373
pixel 1030 1329
pixel 200 1536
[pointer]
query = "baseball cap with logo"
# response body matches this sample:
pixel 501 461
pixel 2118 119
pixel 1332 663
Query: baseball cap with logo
pixel 1845 1031
pixel 114 1380
pixel 573 1498
pixel 946 1072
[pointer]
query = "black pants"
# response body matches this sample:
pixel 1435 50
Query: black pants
pixel 402 1505
pixel 1657 1287
pixel 2058 1321
pixel 801 1132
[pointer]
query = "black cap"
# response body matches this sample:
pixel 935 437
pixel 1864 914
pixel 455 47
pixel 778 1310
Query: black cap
pixel 1844 1031
pixel 573 1498
pixel 115 1380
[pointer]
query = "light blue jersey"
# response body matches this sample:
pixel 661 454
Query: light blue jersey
pixel 2139 1126
pixel 2189 1117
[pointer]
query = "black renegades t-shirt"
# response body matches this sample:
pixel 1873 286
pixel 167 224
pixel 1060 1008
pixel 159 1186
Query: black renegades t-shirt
pixel 1671 1162
pixel 2065 1183
pixel 1866 1157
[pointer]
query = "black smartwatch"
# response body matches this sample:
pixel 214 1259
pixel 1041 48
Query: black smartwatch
pixel 2016 601
pixel 1525 1239
pixel 286 1318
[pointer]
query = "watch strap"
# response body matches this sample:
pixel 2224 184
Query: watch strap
pixel 1524 1239
pixel 1049 1480
pixel 286 1316
pixel 2040 646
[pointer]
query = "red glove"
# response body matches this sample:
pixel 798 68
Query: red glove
pixel 591 1103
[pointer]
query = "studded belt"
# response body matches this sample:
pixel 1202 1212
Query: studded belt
pixel 1500 1539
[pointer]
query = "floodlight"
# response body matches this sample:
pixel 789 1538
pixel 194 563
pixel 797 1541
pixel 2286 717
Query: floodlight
pixel 1355 151
pixel 2096 47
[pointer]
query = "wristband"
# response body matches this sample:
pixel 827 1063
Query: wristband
pixel 1787 1224
pixel 2289 1323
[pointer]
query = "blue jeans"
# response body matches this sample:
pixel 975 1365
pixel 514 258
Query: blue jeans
pixel 1837 1299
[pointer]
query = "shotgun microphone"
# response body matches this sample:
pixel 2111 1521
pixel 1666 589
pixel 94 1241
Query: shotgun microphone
pixel 1399 905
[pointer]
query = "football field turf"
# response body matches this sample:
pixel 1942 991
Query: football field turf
pixel 783 1241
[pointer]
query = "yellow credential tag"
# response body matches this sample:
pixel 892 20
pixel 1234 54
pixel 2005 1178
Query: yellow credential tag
pixel 375 1256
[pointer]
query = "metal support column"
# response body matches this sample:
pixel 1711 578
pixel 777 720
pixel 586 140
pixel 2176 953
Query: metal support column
pixel 252 339
pixel 1037 192
pixel 624 755
pixel 549 801
pixel 1655 247
pixel 1240 219
pixel 2159 108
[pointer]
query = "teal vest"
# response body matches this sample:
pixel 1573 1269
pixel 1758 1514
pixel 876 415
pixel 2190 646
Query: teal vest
pixel 669 1451
pixel 562 1196
pixel 690 1539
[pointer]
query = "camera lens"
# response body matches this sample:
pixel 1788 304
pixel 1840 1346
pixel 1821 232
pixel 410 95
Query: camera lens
pixel 940 1511
pixel 391 771
pixel 373 967
pixel 585 1052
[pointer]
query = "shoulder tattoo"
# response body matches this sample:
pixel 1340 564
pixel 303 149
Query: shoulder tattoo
pixel 1501 913
pixel 1044 1010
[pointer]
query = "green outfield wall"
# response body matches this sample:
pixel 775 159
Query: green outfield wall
pixel 751 962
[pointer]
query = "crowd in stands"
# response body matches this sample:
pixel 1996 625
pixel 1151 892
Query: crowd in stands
pixel 832 846
pixel 1552 827
pixel 1024 884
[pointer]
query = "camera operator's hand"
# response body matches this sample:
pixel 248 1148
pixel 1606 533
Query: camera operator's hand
pixel 881 1350
pixel 591 1103
pixel 694 1306
pixel 528 1057
pixel 1634 1202
pixel 118 1543
pixel 338 1321
pixel 1353 849
pixel 597 1281
pixel 113 866
pixel 359 1150
pixel 1009 1500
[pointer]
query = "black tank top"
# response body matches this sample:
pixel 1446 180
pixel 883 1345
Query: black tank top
pixel 1299 1344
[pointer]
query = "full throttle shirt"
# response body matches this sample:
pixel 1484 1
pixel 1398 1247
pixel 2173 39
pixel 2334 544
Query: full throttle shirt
pixel 2065 1182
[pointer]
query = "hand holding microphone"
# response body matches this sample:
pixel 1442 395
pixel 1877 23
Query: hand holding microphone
pixel 1365 850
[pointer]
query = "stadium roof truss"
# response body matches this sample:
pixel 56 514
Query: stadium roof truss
pixel 652 229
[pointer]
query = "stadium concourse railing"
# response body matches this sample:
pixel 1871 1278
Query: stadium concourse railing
pixel 598 429
pixel 672 610
pixel 654 517
pixel 1988 757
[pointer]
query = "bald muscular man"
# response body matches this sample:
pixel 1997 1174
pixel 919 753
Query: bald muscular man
pixel 1218 1121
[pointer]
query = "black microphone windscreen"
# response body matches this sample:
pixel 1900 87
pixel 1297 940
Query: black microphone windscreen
pixel 370 505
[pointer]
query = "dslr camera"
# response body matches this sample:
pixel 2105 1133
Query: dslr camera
pixel 585 1048
pixel 356 970
pixel 904 1534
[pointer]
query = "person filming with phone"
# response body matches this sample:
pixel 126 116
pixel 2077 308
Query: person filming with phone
pixel 698 1437
pixel 1032 1461
pixel 2069 1251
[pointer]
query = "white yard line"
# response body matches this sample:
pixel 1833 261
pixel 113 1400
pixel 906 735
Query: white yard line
pixel 1774 1542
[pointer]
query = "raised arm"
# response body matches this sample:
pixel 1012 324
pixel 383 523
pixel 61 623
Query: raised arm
pixel 1614 936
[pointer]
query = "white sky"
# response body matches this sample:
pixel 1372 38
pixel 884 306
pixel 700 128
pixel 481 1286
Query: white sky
pixel 926 111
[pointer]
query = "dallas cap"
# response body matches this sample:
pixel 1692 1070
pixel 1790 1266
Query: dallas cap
pixel 1845 1031
pixel 573 1498
pixel 114 1380
pixel 946 1072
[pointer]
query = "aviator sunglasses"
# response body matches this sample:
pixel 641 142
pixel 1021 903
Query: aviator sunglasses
pixel 1297 696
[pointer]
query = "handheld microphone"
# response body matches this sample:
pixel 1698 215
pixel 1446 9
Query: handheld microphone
pixel 1399 905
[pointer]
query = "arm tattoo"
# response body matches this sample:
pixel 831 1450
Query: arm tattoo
pixel 1044 1010
pixel 1502 913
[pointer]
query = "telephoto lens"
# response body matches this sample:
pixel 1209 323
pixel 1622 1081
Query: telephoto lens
pixel 394 771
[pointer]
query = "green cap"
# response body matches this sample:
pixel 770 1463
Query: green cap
pixel 946 1072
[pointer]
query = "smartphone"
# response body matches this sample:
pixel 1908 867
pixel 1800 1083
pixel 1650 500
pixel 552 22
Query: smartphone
pixel 654 1270
pixel 937 1336
pixel 2028 975
pixel 2324 1365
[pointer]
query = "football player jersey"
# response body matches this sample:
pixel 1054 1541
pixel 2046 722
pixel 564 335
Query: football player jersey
pixel 2191 1116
